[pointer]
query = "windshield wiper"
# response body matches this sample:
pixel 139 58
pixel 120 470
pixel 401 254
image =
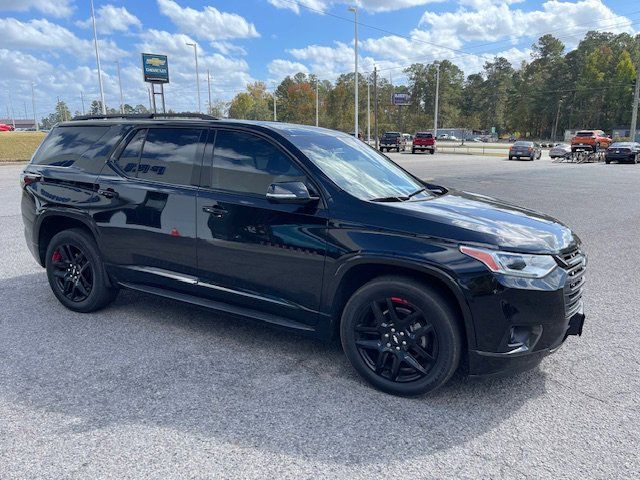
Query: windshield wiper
pixel 390 199
pixel 416 192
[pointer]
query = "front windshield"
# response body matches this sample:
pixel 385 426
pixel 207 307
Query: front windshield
pixel 359 169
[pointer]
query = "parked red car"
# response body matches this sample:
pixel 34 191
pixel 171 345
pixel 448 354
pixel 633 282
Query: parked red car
pixel 424 141
pixel 6 128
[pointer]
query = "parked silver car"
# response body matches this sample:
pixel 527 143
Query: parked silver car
pixel 560 150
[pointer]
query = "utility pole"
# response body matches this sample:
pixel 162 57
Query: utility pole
pixel 33 107
pixel 275 113
pixel 95 41
pixel 209 90
pixel 368 110
pixel 375 104
pixel 13 115
pixel 150 105
pixel 195 52
pixel 120 84
pixel 355 79
pixel 555 124
pixel 634 112
pixel 435 115
pixel 82 100
pixel 317 102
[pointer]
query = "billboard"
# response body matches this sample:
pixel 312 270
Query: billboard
pixel 401 99
pixel 155 68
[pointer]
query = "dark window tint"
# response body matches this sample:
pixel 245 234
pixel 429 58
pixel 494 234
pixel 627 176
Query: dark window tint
pixel 424 135
pixel 585 134
pixel 246 163
pixel 130 156
pixel 64 145
pixel 169 155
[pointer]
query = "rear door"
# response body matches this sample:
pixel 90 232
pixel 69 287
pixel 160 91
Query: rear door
pixel 146 209
pixel 251 252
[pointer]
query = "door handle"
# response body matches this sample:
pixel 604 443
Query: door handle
pixel 215 210
pixel 108 193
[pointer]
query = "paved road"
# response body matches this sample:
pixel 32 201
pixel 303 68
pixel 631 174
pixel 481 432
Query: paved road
pixel 153 388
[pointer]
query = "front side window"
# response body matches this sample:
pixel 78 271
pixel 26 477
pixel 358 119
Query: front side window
pixel 359 169
pixel 246 163
pixel 169 155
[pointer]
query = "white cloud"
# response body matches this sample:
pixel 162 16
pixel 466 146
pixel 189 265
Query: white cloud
pixel 368 5
pixel 58 8
pixel 42 35
pixel 279 68
pixel 110 18
pixel 492 20
pixel 209 23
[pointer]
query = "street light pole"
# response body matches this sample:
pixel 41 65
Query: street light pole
pixel 120 84
pixel 634 112
pixel 355 27
pixel 95 41
pixel 210 109
pixel 13 115
pixel 33 106
pixel 195 52
pixel 368 111
pixel 435 115
pixel 275 112
pixel 317 101
pixel 375 104
pixel 82 100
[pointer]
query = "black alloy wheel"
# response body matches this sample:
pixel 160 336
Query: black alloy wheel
pixel 395 340
pixel 401 336
pixel 76 272
pixel 72 271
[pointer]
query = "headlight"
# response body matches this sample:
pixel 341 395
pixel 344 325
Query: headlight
pixel 515 264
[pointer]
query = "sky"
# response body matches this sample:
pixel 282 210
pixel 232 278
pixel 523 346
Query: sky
pixel 50 43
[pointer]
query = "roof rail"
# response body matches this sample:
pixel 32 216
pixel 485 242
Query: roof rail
pixel 138 116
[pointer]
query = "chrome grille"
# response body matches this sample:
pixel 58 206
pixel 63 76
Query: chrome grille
pixel 574 263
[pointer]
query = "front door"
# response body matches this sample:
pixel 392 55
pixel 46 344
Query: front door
pixel 252 252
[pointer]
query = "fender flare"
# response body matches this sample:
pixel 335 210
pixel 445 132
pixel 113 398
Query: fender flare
pixel 410 264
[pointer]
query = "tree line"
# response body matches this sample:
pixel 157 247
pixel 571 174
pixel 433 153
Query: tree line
pixel 588 87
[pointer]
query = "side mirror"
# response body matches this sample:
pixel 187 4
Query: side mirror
pixel 289 192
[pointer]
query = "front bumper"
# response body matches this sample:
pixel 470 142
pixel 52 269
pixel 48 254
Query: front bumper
pixel 518 322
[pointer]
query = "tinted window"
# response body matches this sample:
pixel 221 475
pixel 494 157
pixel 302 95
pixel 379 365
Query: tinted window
pixel 424 135
pixel 523 144
pixel 130 156
pixel 585 134
pixel 64 145
pixel 243 162
pixel 169 155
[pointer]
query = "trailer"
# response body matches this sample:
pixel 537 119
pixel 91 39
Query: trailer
pixel 581 156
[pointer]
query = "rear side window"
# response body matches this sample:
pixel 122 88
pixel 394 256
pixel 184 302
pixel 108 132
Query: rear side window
pixel 168 155
pixel 64 145
pixel 246 163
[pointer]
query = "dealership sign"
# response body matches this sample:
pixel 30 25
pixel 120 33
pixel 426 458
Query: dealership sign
pixel 155 68
pixel 401 99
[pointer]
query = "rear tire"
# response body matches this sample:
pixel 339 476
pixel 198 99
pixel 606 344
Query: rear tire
pixel 76 273
pixel 413 150
pixel 401 336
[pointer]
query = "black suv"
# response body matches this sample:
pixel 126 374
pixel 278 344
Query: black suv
pixel 304 228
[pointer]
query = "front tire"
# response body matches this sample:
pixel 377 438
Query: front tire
pixel 401 336
pixel 76 273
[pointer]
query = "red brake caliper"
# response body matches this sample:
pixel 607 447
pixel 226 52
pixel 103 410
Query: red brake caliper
pixel 56 257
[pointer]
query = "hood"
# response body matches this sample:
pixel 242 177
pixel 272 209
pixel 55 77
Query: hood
pixel 471 218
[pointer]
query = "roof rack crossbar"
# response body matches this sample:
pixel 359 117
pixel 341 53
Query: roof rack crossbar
pixel 138 116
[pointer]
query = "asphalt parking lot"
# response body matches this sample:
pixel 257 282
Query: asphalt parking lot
pixel 153 388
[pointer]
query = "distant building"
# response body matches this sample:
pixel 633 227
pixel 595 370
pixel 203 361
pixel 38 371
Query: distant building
pixel 623 132
pixel 21 124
